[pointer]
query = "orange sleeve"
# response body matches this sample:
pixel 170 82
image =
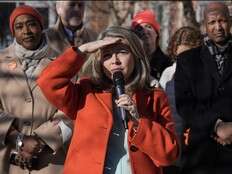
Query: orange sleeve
pixel 55 82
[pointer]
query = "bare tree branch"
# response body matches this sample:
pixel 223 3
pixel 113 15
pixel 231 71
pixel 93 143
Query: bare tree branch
pixel 117 12
pixel 189 14
pixel 96 6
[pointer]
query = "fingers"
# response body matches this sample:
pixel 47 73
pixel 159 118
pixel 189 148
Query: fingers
pixel 223 142
pixel 91 47
pixel 25 155
pixel 128 104
pixel 111 40
pixel 31 144
pixel 23 160
pixel 104 42
pixel 124 99
pixel 224 130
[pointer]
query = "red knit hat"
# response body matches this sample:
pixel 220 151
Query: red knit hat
pixel 146 16
pixel 22 10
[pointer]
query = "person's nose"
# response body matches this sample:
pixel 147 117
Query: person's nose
pixel 146 30
pixel 218 26
pixel 115 59
pixel 26 29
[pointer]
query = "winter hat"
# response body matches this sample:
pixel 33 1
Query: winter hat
pixel 22 10
pixel 146 16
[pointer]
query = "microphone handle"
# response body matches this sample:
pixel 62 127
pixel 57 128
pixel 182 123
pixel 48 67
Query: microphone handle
pixel 123 115
pixel 122 111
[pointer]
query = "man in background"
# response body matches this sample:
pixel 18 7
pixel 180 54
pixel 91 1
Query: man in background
pixel 203 83
pixel 70 29
pixel 145 25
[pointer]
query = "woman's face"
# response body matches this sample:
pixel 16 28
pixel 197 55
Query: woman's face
pixel 117 57
pixel 27 32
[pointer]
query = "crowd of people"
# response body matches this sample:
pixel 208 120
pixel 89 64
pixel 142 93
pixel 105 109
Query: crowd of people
pixel 74 102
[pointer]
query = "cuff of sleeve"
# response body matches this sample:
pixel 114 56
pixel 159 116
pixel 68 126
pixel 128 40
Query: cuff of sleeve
pixel 66 131
pixel 50 133
pixel 79 52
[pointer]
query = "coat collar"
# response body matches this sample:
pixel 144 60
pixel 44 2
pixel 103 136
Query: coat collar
pixel 43 63
pixel 210 64
pixel 59 28
pixel 105 98
pixel 56 38
pixel 143 100
pixel 14 68
pixel 228 66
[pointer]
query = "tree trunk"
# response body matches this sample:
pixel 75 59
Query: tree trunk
pixel 189 15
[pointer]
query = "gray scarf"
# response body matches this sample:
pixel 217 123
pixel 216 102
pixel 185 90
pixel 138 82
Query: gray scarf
pixel 30 58
pixel 218 53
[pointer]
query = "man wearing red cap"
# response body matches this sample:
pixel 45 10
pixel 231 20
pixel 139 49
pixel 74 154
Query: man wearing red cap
pixel 32 130
pixel 144 23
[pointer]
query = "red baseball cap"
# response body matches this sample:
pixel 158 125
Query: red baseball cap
pixel 22 10
pixel 146 16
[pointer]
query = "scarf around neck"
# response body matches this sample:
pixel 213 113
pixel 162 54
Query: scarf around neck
pixel 30 58
pixel 219 53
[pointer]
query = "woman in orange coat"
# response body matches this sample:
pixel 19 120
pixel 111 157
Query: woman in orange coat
pixel 100 143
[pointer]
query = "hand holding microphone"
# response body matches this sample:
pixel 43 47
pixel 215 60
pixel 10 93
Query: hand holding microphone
pixel 128 104
pixel 124 101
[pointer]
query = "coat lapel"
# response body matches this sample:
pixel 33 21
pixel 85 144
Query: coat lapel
pixel 55 36
pixel 228 67
pixel 42 64
pixel 105 98
pixel 62 35
pixel 48 57
pixel 210 64
pixel 13 67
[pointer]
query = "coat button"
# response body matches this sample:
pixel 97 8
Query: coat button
pixel 133 148
pixel 28 100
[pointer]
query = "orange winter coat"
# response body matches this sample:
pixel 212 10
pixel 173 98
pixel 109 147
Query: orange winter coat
pixel 153 145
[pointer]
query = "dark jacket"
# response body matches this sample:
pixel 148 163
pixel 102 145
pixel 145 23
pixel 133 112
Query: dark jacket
pixel 202 96
pixel 159 62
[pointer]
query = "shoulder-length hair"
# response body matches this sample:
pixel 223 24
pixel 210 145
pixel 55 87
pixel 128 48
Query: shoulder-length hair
pixel 140 77
pixel 184 36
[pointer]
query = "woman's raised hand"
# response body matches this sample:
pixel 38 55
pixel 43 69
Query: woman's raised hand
pixel 93 46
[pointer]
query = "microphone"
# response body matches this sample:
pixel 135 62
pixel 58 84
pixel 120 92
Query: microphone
pixel 119 83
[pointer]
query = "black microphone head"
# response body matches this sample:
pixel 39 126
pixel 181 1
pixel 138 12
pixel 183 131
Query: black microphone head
pixel 118 78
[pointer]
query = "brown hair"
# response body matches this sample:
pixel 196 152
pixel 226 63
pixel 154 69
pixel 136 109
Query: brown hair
pixel 184 36
pixel 140 77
